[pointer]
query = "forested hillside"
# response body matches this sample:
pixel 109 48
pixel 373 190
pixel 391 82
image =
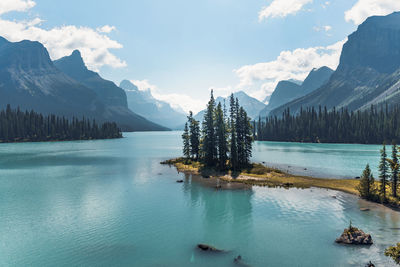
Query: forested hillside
pixel 19 126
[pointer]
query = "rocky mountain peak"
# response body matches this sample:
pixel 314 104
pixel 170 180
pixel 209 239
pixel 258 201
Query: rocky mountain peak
pixel 128 85
pixel 375 45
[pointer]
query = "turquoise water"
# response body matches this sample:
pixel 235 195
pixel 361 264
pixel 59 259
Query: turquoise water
pixel 110 203
pixel 323 160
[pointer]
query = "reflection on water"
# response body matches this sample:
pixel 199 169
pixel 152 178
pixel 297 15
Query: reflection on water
pixel 110 203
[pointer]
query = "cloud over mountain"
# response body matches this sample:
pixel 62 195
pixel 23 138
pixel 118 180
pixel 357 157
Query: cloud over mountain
pixel 365 8
pixel 294 64
pixel 177 101
pixel 95 45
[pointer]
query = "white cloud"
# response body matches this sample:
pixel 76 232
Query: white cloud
pixel 15 5
pixel 365 8
pixel 144 85
pixel 106 29
pixel 325 28
pixel 61 41
pixel 177 101
pixel 261 79
pixel 282 8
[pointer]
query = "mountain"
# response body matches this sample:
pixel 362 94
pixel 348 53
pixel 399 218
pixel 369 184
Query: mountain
pixel 144 104
pixel 287 91
pixel 368 72
pixel 29 80
pixel 250 104
pixel 113 97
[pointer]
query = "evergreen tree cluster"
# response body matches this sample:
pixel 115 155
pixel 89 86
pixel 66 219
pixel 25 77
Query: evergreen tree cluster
pixel 388 175
pixel 29 126
pixel 223 141
pixel 371 126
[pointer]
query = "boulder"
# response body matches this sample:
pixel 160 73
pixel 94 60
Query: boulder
pixel 205 247
pixel 354 236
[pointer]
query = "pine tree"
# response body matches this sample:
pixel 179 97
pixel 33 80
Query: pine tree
pixel 366 186
pixel 248 139
pixel 383 172
pixel 209 142
pixel 194 133
pixel 394 166
pixel 240 132
pixel 221 142
pixel 186 142
pixel 233 140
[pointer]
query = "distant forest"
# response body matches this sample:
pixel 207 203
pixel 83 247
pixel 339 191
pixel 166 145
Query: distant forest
pixel 373 126
pixel 29 126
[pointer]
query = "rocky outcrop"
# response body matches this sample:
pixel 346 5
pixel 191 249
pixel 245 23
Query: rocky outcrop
pixel 354 236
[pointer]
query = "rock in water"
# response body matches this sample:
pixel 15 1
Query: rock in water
pixel 205 247
pixel 354 236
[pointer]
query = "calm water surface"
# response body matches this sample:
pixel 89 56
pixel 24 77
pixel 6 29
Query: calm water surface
pixel 323 160
pixel 110 203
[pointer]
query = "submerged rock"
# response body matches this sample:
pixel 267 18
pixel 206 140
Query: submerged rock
pixel 370 264
pixel 179 181
pixel 354 236
pixel 205 247
pixel 239 261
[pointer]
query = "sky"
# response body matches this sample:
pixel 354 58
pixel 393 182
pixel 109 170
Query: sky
pixel 180 49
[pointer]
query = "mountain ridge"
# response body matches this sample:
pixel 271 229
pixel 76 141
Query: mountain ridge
pixel 288 90
pixel 368 72
pixel 30 80
pixel 144 104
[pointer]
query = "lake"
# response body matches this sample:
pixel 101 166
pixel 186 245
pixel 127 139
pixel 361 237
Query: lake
pixel 320 160
pixel 110 203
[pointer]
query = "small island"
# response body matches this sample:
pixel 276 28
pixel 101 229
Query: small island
pixel 30 126
pixel 354 236
pixel 221 150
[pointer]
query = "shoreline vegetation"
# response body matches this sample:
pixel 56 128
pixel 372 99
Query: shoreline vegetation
pixel 259 175
pixel 18 126
pixel 256 174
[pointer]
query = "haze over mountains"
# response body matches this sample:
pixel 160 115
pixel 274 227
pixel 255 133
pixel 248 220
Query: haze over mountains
pixel 144 104
pixel 368 73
